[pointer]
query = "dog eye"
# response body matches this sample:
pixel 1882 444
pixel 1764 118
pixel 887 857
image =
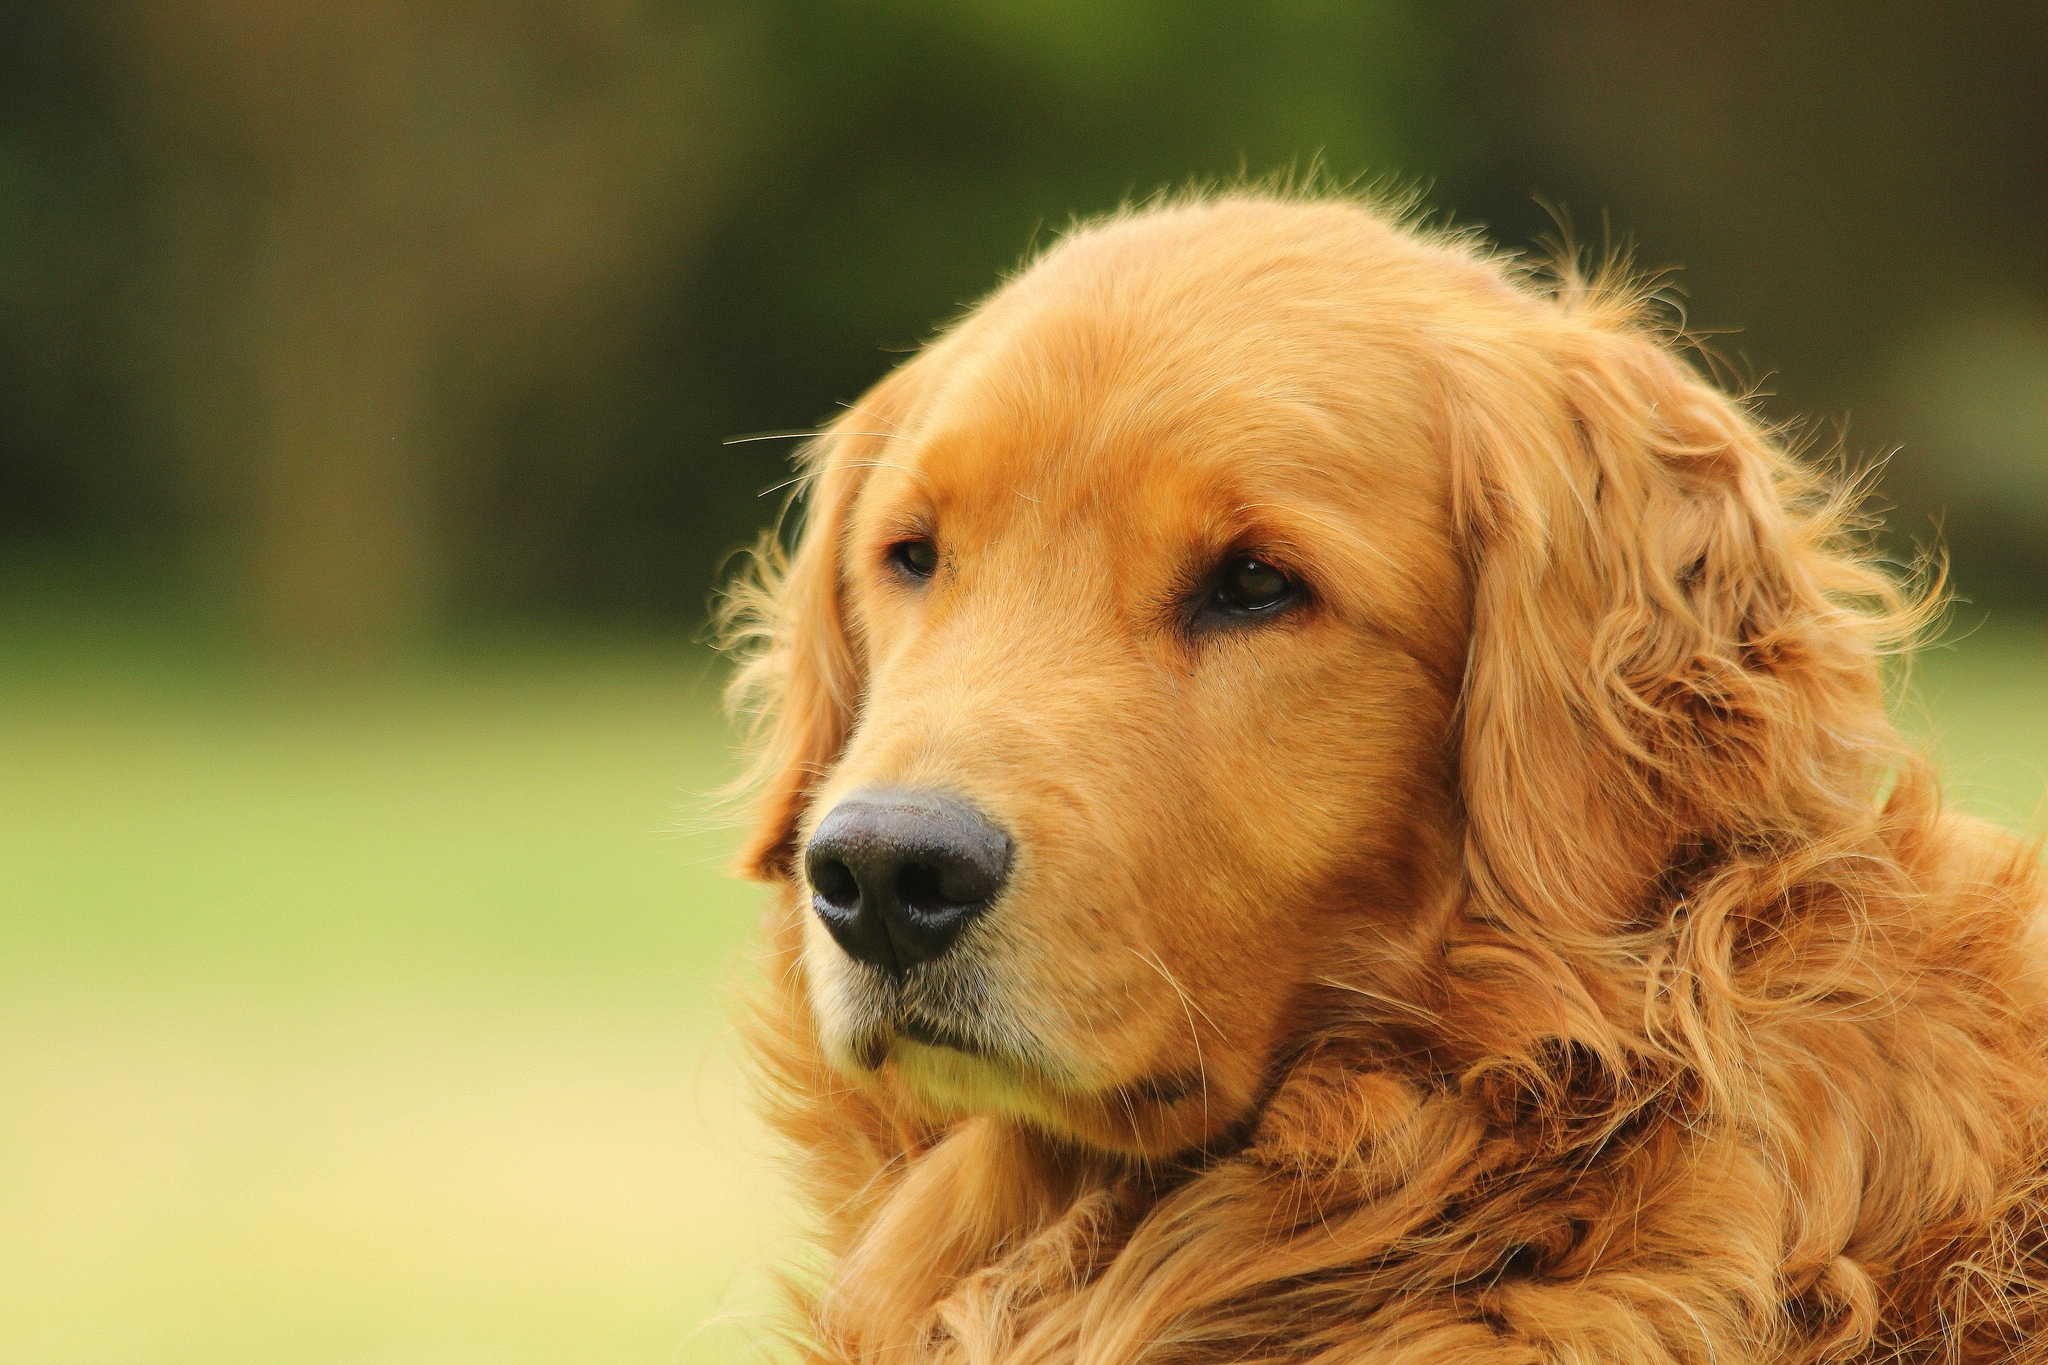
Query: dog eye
pixel 1253 585
pixel 918 558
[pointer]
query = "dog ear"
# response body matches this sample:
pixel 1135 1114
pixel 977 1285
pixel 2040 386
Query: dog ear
pixel 803 670
pixel 1672 656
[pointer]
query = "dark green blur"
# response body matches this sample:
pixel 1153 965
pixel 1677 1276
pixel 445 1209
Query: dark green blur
pixel 351 325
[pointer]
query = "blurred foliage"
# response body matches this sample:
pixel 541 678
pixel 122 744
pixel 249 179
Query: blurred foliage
pixel 364 319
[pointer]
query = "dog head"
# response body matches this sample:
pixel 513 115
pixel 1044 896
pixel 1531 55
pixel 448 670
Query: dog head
pixel 1220 622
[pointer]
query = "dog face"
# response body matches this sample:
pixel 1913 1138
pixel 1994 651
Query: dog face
pixel 1150 578
pixel 1255 601
pixel 1274 683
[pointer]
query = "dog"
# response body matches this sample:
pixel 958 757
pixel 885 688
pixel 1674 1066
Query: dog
pixel 1329 799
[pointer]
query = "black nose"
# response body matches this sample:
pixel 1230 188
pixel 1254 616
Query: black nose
pixel 895 875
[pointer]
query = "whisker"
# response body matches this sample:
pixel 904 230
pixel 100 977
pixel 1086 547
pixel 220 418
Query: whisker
pixel 786 483
pixel 805 432
pixel 1189 1008
pixel 795 434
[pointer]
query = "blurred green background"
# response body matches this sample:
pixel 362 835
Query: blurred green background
pixel 364 376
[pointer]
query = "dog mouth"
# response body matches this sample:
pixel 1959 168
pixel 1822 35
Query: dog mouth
pixel 1166 1089
pixel 884 1031
pixel 948 1031
pixel 919 1029
pixel 940 1005
pixel 955 1061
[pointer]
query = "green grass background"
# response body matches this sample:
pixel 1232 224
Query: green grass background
pixel 379 1023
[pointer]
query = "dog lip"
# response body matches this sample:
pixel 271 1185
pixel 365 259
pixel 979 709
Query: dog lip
pixel 872 1050
pixel 920 1030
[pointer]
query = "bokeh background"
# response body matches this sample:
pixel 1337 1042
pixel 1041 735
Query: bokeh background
pixel 365 377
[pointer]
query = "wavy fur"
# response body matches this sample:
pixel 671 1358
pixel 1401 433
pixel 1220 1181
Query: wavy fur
pixel 1703 1033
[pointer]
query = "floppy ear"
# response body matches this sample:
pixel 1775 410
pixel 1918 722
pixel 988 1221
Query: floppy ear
pixel 803 672
pixel 1672 657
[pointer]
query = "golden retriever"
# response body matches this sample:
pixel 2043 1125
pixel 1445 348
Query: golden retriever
pixel 1330 800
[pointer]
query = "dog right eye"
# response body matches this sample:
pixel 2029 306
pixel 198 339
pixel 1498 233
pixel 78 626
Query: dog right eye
pixel 1250 587
pixel 917 558
pixel 1242 590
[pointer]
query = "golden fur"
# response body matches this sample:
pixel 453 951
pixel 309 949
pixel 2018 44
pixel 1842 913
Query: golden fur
pixel 1537 946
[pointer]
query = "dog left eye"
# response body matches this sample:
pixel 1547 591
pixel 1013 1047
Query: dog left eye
pixel 916 558
pixel 1252 585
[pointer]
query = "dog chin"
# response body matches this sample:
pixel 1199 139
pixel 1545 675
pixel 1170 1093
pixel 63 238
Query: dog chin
pixel 954 1070
pixel 951 1083
pixel 949 1076
pixel 1151 1118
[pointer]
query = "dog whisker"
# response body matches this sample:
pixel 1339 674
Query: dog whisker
pixel 1189 1008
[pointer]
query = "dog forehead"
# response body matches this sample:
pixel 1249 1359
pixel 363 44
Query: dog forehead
pixel 1137 459
pixel 1086 419
pixel 1193 345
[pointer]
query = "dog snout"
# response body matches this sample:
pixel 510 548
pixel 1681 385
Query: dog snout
pixel 895 876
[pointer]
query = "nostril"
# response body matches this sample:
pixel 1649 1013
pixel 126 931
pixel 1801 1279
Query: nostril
pixel 971 880
pixel 919 887
pixel 835 883
pixel 933 889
